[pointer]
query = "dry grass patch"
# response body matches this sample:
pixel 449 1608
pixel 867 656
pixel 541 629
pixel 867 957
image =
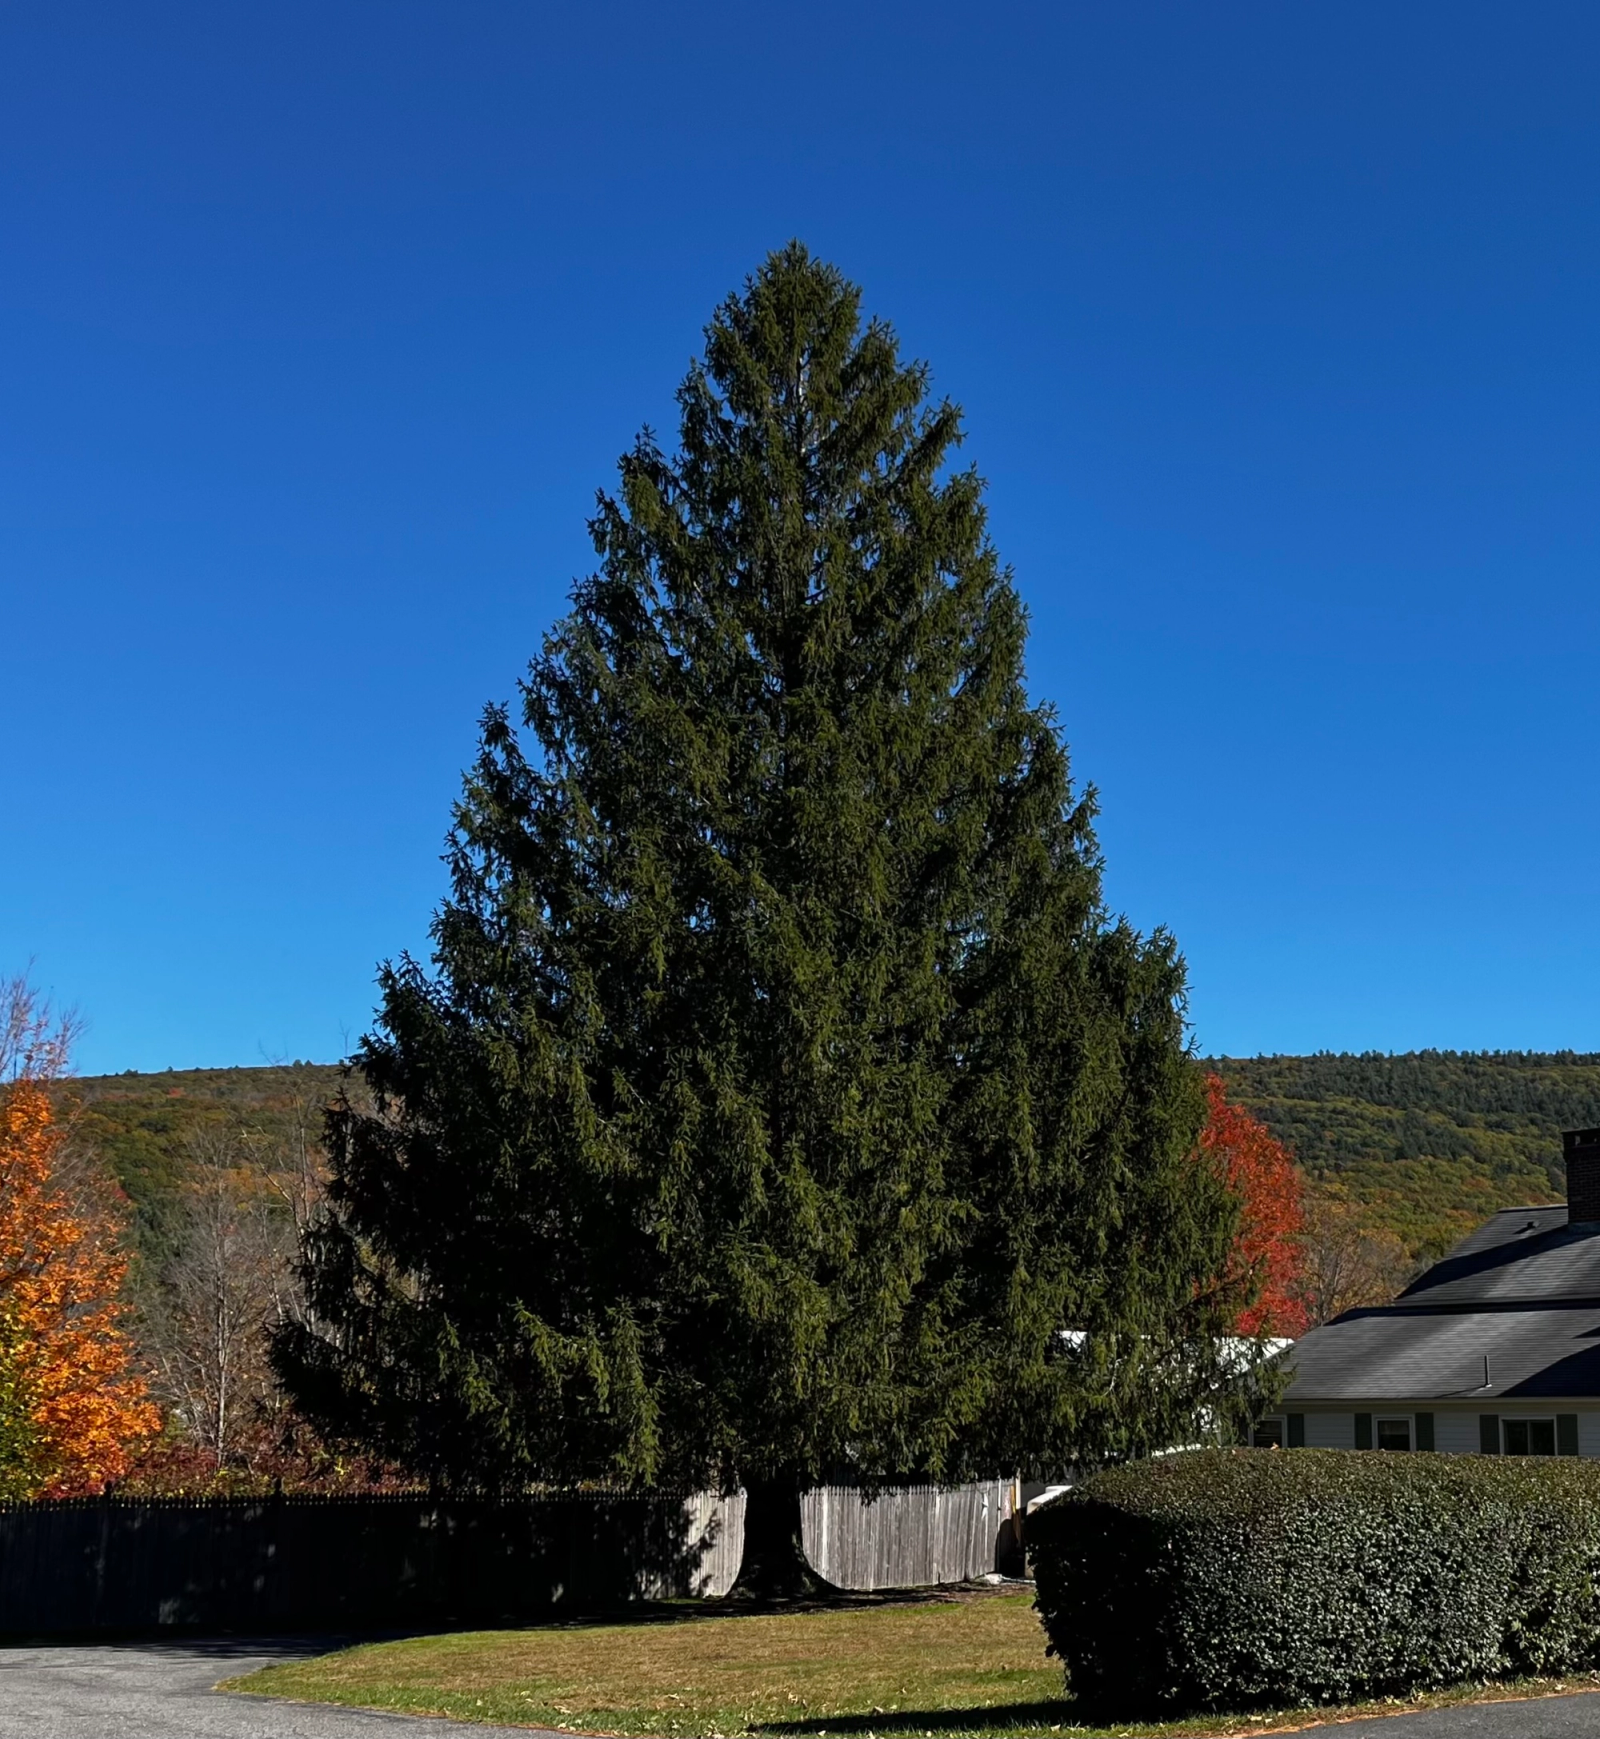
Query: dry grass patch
pixel 705 1676
pixel 968 1666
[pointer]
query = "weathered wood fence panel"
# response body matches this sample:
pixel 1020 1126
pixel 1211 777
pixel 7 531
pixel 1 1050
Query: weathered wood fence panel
pixel 905 1537
pixel 360 1562
pixel 909 1537
pixel 717 1522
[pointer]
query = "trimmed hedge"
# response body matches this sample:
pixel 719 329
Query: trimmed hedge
pixel 1231 1579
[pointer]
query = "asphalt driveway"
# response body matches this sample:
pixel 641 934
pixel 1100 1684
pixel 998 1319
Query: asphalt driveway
pixel 1557 1717
pixel 164 1690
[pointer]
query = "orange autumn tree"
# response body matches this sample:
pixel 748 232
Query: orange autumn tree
pixel 70 1404
pixel 1258 1169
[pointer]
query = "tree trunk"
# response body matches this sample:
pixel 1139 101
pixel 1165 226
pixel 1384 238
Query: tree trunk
pixel 774 1566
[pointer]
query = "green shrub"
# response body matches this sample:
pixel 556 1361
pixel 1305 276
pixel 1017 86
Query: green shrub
pixel 1226 1579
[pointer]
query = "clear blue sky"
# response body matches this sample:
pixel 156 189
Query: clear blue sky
pixel 1275 329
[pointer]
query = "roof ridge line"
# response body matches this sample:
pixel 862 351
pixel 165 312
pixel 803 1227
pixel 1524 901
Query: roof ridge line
pixel 1481 1306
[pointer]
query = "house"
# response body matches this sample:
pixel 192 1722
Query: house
pixel 1493 1351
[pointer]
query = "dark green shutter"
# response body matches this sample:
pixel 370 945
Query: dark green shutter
pixel 1566 1433
pixel 1363 1430
pixel 1424 1431
pixel 1489 1433
pixel 1297 1430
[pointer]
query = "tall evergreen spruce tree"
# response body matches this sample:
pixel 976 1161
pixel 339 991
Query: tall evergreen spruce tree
pixel 782 1088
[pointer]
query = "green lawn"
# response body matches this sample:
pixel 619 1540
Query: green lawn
pixel 956 1666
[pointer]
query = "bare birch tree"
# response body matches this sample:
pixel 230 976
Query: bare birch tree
pixel 229 1283
pixel 36 1038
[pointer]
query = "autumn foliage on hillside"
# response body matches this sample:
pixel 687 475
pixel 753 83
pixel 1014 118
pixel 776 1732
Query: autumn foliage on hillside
pixel 70 1404
pixel 1259 1170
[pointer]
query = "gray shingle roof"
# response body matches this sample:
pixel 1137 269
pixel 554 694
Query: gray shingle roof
pixel 1522 1255
pixel 1395 1354
pixel 1523 1291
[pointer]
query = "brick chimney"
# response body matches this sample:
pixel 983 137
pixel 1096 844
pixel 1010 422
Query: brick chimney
pixel 1582 1149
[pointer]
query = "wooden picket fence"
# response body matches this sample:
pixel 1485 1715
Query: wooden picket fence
pixel 307 1563
pixel 909 1538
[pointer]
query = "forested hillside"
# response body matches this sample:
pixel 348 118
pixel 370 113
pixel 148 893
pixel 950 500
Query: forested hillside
pixel 150 1130
pixel 220 1169
pixel 1430 1142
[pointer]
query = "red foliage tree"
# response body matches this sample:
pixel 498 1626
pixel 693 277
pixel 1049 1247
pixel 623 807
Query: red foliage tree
pixel 1259 1170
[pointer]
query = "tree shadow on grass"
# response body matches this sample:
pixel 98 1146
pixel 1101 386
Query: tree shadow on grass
pixel 700 1609
pixel 1032 1716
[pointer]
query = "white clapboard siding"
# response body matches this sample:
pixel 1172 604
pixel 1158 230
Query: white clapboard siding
pixel 1455 1431
pixel 1330 1430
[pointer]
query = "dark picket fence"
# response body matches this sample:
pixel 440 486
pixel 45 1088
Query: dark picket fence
pixel 405 1560
pixel 338 1562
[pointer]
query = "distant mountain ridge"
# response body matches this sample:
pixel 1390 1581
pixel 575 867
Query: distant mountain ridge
pixel 1429 1142
pixel 143 1126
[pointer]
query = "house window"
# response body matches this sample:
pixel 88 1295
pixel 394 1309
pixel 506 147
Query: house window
pixel 1393 1433
pixel 1529 1436
pixel 1267 1434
